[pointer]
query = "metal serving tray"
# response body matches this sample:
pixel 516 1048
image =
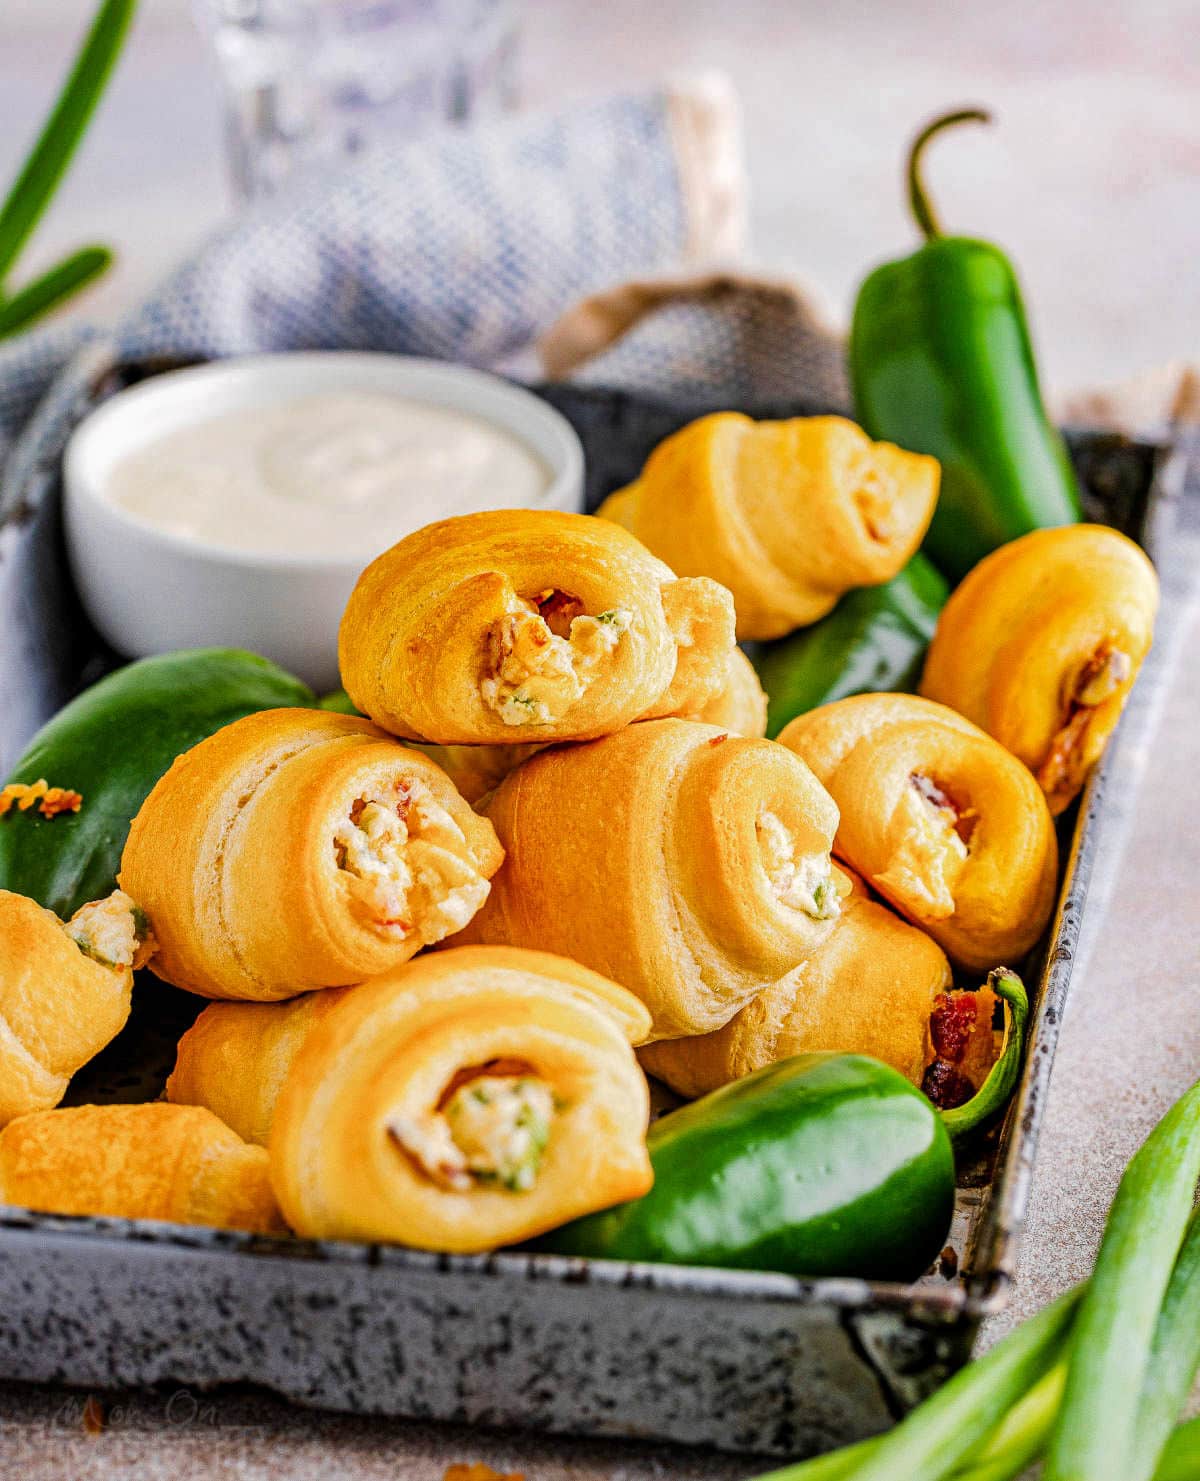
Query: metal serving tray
pixel 732 1359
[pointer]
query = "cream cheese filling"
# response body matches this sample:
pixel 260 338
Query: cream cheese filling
pixel 113 932
pixel 535 673
pixel 930 851
pixel 408 864
pixel 491 1129
pixel 806 882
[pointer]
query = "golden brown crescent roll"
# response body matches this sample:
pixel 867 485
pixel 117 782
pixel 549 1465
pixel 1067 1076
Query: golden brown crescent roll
pixel 236 1056
pixel 741 706
pixel 1040 646
pixel 469 1099
pixel 297 849
pixel 788 515
pixel 177 1163
pixel 869 988
pixel 688 864
pixel 525 626
pixel 64 992
pixel 939 818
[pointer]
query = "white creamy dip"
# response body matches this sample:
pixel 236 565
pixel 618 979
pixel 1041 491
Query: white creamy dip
pixel 338 474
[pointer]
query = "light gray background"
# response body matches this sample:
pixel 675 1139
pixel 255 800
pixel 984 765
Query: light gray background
pixel 1092 180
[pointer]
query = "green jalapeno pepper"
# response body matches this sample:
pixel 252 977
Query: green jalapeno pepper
pixel 941 362
pixel 874 640
pixel 823 1164
pixel 112 744
pixel 339 702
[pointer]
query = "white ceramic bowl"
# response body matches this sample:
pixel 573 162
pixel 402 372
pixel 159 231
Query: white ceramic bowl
pixel 149 590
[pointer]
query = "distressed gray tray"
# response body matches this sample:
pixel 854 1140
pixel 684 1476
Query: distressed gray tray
pixel 733 1359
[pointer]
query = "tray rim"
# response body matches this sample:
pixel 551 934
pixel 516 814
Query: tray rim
pixel 998 1246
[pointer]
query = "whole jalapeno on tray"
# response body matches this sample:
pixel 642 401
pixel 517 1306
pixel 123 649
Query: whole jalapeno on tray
pixel 109 746
pixel 822 1164
pixel 873 640
pixel 941 362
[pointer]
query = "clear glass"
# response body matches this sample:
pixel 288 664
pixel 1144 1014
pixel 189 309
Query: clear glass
pixel 309 81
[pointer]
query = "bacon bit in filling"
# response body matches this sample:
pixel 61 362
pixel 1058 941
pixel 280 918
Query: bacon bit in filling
pixel 951 1026
pixel 491 1126
pixel 543 654
pixel 558 609
pixel 50 801
pixel 952 1023
pixel 806 882
pixel 933 845
pixel 1061 773
pixel 408 864
pixel 113 932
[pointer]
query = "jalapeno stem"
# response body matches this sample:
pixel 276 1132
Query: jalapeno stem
pixel 918 197
pixel 994 1094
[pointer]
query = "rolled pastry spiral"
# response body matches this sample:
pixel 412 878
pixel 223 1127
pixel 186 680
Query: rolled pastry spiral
pixel 869 988
pixel 788 515
pixel 64 993
pixel 526 626
pixel 297 849
pixel 688 864
pixel 938 818
pixel 469 1099
pixel 1040 645
pixel 177 1163
pixel 236 1056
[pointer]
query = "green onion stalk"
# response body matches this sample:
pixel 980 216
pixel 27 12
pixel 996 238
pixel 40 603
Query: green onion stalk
pixel 43 170
pixel 1095 1381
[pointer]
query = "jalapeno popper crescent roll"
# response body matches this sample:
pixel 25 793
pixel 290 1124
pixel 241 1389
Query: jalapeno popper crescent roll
pixel 177 1163
pixel 236 1056
pixel 688 864
pixel 939 818
pixel 788 515
pixel 297 849
pixel 872 987
pixel 519 626
pixel 469 1099
pixel 1040 646
pixel 64 992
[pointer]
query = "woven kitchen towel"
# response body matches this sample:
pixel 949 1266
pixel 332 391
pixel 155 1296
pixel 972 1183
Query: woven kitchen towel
pixel 464 245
